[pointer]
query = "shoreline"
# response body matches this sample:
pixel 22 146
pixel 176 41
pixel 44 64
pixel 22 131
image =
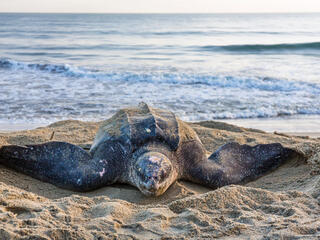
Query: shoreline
pixel 308 126
pixel 293 126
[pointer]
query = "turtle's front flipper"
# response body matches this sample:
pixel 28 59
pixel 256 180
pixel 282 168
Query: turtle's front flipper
pixel 234 163
pixel 60 163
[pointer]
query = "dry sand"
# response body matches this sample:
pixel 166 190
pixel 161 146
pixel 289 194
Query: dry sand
pixel 284 204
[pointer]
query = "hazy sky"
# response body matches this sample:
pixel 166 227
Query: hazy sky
pixel 165 6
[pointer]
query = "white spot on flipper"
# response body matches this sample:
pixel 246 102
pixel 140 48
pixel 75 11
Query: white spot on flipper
pixel 79 181
pixel 102 172
pixel 148 130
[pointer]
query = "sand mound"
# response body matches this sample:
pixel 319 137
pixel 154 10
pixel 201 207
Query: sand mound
pixel 281 205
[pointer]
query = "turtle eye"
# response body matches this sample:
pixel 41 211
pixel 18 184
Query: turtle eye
pixel 141 175
pixel 163 175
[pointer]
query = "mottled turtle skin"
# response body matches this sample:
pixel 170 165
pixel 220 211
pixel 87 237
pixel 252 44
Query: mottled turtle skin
pixel 145 147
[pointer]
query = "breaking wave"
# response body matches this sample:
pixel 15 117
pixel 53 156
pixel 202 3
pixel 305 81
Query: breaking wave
pixel 180 78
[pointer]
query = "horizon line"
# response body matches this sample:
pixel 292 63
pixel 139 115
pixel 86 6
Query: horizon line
pixel 165 12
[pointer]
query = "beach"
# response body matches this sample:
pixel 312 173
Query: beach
pixel 250 78
pixel 283 204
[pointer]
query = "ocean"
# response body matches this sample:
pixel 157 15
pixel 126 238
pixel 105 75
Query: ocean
pixel 201 66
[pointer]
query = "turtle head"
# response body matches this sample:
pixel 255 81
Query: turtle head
pixel 154 173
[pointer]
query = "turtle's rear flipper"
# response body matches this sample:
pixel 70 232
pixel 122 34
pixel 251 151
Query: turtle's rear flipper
pixel 234 163
pixel 60 163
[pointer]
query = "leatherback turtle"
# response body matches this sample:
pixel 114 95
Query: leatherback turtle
pixel 145 147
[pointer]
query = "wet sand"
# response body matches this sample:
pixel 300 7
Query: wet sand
pixel 308 125
pixel 284 204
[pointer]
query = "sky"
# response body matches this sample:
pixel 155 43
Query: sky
pixel 159 6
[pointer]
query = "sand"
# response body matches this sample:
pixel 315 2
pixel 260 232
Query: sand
pixel 284 204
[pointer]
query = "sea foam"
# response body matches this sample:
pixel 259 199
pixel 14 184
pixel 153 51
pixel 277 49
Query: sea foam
pixel 219 81
pixel 48 92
